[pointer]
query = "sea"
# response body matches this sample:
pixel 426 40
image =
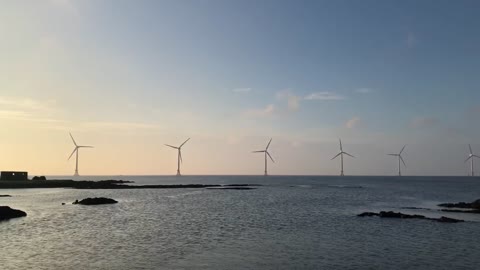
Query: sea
pixel 289 222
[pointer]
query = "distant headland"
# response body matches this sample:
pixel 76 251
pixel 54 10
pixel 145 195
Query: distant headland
pixel 107 184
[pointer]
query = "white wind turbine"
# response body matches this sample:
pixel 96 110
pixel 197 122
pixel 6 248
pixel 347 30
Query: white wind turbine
pixel 266 153
pixel 470 157
pixel 399 155
pixel 341 156
pixel 75 150
pixel 179 157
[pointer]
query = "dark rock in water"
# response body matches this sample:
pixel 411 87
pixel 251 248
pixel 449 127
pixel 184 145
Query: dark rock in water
pixel 473 205
pixel 475 211
pixel 415 208
pixel 390 214
pixel 3 196
pixel 95 201
pixel 39 178
pixel 368 214
pixel 448 220
pixel 8 213
pixel 63 203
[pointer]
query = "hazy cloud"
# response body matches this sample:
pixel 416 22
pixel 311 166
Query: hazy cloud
pixel 293 101
pixel 363 90
pixel 25 103
pixel 354 122
pixel 242 90
pixel 118 125
pixel 324 96
pixel 267 111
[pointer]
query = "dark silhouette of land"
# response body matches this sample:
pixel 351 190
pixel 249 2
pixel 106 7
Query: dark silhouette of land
pixel 95 201
pixel 7 213
pixel 104 184
pixel 390 214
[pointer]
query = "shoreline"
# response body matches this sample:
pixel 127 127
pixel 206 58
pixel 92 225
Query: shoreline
pixel 104 184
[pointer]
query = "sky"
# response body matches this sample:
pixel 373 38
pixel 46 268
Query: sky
pixel 130 76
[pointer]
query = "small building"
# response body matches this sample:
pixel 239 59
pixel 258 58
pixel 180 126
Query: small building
pixel 14 176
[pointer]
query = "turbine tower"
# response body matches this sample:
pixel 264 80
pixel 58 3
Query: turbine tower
pixel 341 156
pixel 470 157
pixel 399 155
pixel 266 154
pixel 179 157
pixel 75 150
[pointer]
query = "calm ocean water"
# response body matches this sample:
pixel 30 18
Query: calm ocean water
pixel 289 223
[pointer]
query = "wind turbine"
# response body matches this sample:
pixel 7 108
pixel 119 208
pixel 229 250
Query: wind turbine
pixel 399 155
pixel 75 150
pixel 266 153
pixel 470 157
pixel 341 156
pixel 179 158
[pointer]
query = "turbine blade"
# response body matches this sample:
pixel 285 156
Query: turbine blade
pixel 336 156
pixel 403 161
pixel 180 155
pixel 73 139
pixel 470 147
pixel 341 148
pixel 348 154
pixel 85 146
pixel 475 156
pixel 393 155
pixel 268 145
pixel 402 150
pixel 468 158
pixel 184 143
pixel 261 151
pixel 72 153
pixel 174 147
pixel 270 157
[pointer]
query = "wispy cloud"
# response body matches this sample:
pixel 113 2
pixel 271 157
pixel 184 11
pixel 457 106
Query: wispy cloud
pixel 324 96
pixel 264 112
pixel 25 103
pixel 242 90
pixel 363 90
pixel 423 122
pixel 354 122
pixel 119 125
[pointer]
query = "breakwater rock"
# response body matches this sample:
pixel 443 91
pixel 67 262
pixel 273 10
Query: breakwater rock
pixel 472 205
pixel 95 201
pixel 390 214
pixel 7 213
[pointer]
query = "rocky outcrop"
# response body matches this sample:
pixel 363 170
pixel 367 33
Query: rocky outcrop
pixel 39 178
pixel 474 211
pixel 2 196
pixel 95 201
pixel 390 214
pixel 7 213
pixel 472 205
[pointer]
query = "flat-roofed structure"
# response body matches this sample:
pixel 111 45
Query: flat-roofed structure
pixel 13 176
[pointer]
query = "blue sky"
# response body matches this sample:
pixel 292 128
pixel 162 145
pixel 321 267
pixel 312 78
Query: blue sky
pixel 231 74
